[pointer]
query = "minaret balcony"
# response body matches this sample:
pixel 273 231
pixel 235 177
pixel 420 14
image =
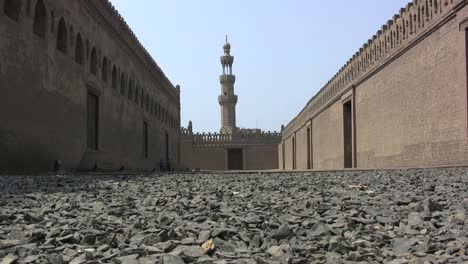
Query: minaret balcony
pixel 227 60
pixel 227 79
pixel 227 99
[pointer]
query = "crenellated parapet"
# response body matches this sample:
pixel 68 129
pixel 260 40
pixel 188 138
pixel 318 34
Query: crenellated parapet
pixel 106 8
pixel 238 138
pixel 400 32
pixel 185 131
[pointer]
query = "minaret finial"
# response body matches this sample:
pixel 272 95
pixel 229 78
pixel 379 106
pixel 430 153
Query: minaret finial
pixel 226 38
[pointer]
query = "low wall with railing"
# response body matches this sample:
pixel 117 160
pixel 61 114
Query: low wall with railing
pixel 239 138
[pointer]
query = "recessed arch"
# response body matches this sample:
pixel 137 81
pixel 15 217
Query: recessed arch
pixel 130 90
pixel 71 36
pixel 79 50
pixel 40 19
pixel 142 98
pixel 104 69
pixel 12 9
pixel 137 92
pixel 114 77
pixel 93 62
pixel 52 22
pixel 122 83
pixel 62 36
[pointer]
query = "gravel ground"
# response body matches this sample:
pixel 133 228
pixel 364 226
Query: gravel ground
pixel 399 216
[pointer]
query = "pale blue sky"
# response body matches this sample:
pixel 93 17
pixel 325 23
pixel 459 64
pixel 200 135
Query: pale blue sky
pixel 285 50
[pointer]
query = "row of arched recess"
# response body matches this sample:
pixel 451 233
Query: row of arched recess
pixel 126 86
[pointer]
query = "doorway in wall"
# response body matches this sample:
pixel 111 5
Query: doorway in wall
pixel 235 159
pixel 166 143
pixel 309 165
pixel 293 153
pixel 92 121
pixel 348 134
pixel 145 140
pixel 284 155
pixel 466 63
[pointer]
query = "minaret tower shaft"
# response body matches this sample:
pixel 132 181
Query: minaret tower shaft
pixel 227 99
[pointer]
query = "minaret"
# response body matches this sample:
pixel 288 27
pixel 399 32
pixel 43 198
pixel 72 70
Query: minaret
pixel 227 99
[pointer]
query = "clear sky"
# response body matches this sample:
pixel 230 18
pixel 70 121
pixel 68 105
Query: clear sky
pixel 285 50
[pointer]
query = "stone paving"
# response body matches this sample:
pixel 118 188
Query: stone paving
pixel 398 216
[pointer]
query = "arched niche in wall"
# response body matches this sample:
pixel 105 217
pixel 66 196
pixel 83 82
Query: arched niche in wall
pixel 93 62
pixel 104 69
pixel 114 77
pixel 40 19
pixel 130 90
pixel 12 9
pixel 122 84
pixel 137 92
pixel 62 36
pixel 79 50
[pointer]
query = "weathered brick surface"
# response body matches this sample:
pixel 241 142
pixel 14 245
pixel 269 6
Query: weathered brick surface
pixel 410 92
pixel 215 157
pixel 288 151
pixel 202 157
pixel 327 136
pixel 44 91
pixel 412 113
pixel 301 137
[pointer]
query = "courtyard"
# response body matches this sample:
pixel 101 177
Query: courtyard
pixel 387 216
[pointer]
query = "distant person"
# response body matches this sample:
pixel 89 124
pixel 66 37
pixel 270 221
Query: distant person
pixel 161 165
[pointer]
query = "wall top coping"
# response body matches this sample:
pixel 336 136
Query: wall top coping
pixel 243 137
pixel 396 33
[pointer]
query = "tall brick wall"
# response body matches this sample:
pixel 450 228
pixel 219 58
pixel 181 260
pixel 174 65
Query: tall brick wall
pixel 327 136
pixel 288 153
pixel 202 157
pixel 281 164
pixel 409 87
pixel 412 112
pixel 262 157
pixel 215 157
pixel 43 106
pixel 301 147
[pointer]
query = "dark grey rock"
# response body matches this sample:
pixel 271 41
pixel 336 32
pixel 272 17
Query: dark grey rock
pixel 89 239
pixel 282 232
pixel 130 259
pixel 430 206
pixel 169 259
pixel 33 218
pixel 167 246
pixel 402 215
